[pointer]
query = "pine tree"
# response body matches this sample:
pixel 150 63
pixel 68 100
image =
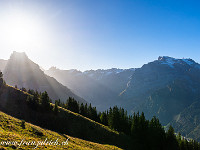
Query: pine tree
pixel 24 89
pixel 56 107
pixel 82 110
pixel 1 74
pixel 45 101
pixel 110 118
pixel 156 134
pixel 86 110
pixel 103 118
pixel 1 78
pixel 172 142
pixel 90 111
pixel 59 103
pixel 72 105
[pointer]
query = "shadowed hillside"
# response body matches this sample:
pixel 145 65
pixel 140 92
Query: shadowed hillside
pixel 13 102
pixel 12 129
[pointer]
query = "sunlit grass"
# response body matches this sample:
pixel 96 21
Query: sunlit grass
pixel 11 130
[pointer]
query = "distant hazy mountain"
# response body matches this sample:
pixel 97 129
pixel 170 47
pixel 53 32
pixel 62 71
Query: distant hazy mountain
pixel 21 71
pixel 3 64
pixel 100 87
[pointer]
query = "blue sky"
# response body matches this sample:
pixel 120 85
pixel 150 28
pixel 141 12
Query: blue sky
pixel 92 34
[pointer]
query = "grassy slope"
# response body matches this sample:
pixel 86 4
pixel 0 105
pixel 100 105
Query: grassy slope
pixel 65 122
pixel 11 130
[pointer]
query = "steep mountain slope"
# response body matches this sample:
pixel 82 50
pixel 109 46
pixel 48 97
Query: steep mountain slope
pixel 158 74
pixel 168 102
pixel 14 103
pixel 21 71
pixel 99 87
pixel 3 64
pixel 11 129
pixel 168 88
pixel 188 121
pixel 115 79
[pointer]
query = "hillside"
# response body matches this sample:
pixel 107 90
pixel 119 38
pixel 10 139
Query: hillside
pixel 21 71
pixel 11 129
pixel 14 103
pixel 169 101
pixel 188 121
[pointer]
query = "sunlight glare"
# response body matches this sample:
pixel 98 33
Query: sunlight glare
pixel 21 30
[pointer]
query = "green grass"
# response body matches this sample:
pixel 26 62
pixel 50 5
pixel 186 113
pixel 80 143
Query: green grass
pixel 13 102
pixel 12 130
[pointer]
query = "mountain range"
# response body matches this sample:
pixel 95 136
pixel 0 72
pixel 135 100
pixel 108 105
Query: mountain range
pixel 99 87
pixel 164 88
pixel 168 88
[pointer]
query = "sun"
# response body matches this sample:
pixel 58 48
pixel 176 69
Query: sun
pixel 21 30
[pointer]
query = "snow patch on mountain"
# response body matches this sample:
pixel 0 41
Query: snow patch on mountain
pixel 171 61
pixel 167 61
pixel 188 61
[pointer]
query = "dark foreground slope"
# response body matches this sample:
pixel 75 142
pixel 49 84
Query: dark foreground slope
pixel 13 102
pixel 11 129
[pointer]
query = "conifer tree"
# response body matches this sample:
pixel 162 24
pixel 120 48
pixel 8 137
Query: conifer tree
pixel 82 110
pixel 86 110
pixel 103 118
pixel 172 142
pixel 1 74
pixel 45 101
pixel 56 107
pixel 72 105
pixel 1 78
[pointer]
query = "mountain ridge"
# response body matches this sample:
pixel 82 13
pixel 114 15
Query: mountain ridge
pixel 100 87
pixel 163 87
pixel 23 72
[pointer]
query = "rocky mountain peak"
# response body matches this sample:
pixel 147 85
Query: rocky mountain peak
pixel 171 61
pixel 18 55
pixel 53 68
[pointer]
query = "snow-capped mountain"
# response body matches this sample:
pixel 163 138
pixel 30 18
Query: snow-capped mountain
pixel 102 73
pixel 158 73
pixel 163 88
pixel 171 62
